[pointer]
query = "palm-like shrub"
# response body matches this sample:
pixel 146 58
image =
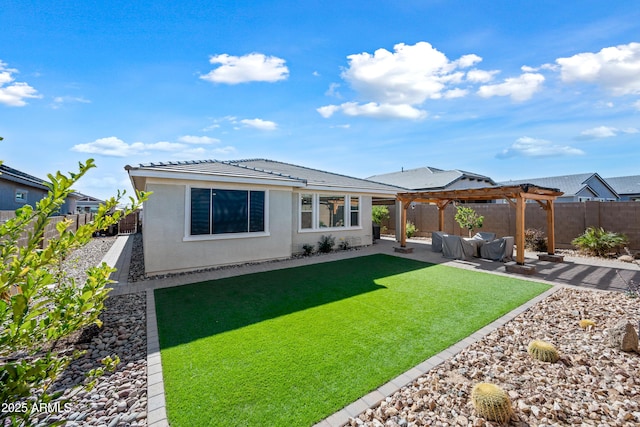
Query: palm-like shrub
pixel 596 241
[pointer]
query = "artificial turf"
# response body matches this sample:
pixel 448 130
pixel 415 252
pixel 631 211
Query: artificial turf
pixel 290 347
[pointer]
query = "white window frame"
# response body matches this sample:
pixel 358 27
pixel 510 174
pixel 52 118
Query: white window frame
pixel 315 212
pixel 24 196
pixel 188 237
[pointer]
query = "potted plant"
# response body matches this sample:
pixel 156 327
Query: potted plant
pixel 378 214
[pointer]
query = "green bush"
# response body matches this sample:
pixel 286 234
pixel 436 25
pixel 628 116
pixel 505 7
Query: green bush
pixel 596 241
pixel 40 304
pixel 535 240
pixel 307 249
pixel 379 214
pixel 326 244
pixel 411 229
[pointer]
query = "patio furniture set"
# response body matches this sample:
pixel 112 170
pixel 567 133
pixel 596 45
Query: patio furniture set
pixel 481 245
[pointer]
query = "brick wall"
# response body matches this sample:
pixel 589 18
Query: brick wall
pixel 571 219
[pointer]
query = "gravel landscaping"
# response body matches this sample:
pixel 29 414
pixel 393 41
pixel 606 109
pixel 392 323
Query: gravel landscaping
pixel 591 384
pixel 119 398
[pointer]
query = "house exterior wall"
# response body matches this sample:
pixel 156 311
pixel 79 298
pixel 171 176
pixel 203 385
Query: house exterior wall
pixel 354 236
pixel 8 195
pixel 167 250
pixel 601 189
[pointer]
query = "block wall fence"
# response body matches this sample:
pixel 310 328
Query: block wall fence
pixel 571 219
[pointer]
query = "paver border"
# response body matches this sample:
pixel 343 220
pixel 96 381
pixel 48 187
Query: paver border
pixel 156 403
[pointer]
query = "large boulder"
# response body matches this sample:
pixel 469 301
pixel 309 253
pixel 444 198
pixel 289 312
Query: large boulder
pixel 623 336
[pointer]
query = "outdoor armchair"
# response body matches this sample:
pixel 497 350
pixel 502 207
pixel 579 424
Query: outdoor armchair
pixel 498 249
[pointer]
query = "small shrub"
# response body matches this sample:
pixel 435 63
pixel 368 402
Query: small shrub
pixel 411 229
pixel 633 287
pixel 344 244
pixel 308 249
pixel 468 218
pixel 596 241
pixel 535 240
pixel 326 244
pixel 379 214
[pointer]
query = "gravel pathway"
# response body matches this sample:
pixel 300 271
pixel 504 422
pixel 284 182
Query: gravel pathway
pixel 119 398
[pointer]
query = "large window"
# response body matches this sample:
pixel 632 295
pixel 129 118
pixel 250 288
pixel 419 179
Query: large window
pixel 319 211
pixel 215 211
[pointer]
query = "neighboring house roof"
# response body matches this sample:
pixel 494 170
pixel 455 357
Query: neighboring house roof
pixel 626 185
pixel 15 175
pixel 85 198
pixel 256 171
pixel 430 178
pixel 570 185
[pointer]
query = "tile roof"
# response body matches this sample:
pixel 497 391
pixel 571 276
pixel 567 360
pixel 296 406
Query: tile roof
pixel 625 184
pixel 568 184
pixel 15 175
pixel 427 178
pixel 268 169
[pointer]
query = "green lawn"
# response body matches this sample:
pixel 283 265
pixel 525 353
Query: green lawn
pixel 290 347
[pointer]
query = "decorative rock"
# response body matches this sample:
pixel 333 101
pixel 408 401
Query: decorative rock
pixel 623 336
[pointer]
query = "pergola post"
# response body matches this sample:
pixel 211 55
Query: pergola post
pixel 551 238
pixel 520 209
pixel 442 204
pixel 403 223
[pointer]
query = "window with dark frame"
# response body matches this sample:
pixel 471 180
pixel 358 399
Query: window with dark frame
pixel 217 211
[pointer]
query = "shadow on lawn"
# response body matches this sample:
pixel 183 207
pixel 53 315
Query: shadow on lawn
pixel 191 312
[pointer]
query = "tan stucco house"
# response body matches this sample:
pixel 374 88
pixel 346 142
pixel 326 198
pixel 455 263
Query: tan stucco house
pixel 213 213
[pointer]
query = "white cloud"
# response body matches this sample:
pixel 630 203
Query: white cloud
pixel 605 132
pixel 333 90
pixel 110 146
pixel 259 124
pixel 254 67
pixel 58 101
pixel 204 140
pixel 519 88
pixel 617 69
pixel 115 147
pixel 409 75
pixel 530 147
pixel 636 105
pixel 481 76
pixel 14 93
pixel 372 109
pixel 455 93
pixel 600 132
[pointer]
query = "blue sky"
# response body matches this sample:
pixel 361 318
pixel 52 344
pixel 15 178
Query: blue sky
pixel 512 90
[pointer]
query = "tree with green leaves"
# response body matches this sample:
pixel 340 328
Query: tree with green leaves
pixel 468 218
pixel 39 303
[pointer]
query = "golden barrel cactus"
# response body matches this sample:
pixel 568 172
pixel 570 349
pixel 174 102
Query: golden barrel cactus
pixel 491 402
pixel 543 351
pixel 587 323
